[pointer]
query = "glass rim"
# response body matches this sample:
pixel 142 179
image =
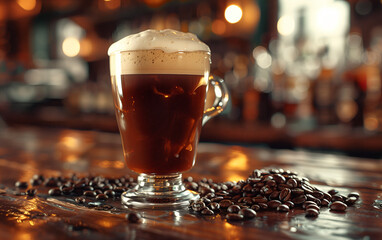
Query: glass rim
pixel 182 51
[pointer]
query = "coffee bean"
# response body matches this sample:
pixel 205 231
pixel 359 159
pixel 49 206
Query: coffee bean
pixel 80 200
pixel 325 202
pixel 278 178
pixel 20 184
pixel 207 211
pixel 109 193
pixel 297 191
pixel 314 206
pixel 266 190
pixel 67 190
pixel 210 195
pixel 274 195
pixel 283 208
pixel 333 192
pixel 233 209
pixel 327 196
pixel 271 183
pixel 214 206
pixel 133 217
pixel 350 200
pixel 102 197
pixel 290 204
pixel 50 183
pixel 336 198
pixel 353 194
pixel 311 212
pixel 285 194
pixel 31 192
pixel 35 182
pixel 306 203
pixel 274 204
pixel 247 188
pixel 225 203
pixel 338 206
pixel 234 217
pixel 217 199
pixel 307 188
pixel 90 193
pixel 299 199
pixel 247 213
pixel 259 199
pixel 255 207
pixel 292 183
pixel 263 206
pixel 318 194
pixel 55 192
pixel 198 206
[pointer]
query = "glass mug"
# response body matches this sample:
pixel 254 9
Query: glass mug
pixel 159 100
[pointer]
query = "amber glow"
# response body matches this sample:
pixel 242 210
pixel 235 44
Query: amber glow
pixel 218 27
pixel 27 5
pixel 233 13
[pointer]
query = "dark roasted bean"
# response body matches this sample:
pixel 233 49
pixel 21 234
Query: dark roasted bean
pixel 109 193
pixel 338 206
pixel 271 183
pixel 318 194
pixel 337 198
pixel 90 193
pixel 314 206
pixel 67 190
pixel 266 190
pixel 55 192
pixel 353 194
pixel 225 203
pixel 327 196
pixel 292 183
pixel 263 206
pixel 350 200
pixel 80 200
pixel 214 206
pixel 290 204
pixel 35 182
pixel 306 203
pixel 217 199
pixel 133 217
pixel 234 217
pixel 221 193
pixel 274 204
pixel 207 211
pixel 311 212
pixel 283 208
pixel 285 194
pixel 279 178
pixel 333 192
pixel 297 191
pixel 31 192
pixel 20 184
pixel 233 209
pixel 274 195
pixel 198 206
pixel 255 207
pixel 210 195
pixel 299 199
pixel 325 202
pixel 259 199
pixel 247 213
pixel 247 188
pixel 102 196
pixel 247 200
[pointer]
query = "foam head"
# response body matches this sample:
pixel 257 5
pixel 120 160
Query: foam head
pixel 159 52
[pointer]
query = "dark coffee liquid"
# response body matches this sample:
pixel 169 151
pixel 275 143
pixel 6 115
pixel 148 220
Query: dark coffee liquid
pixel 159 117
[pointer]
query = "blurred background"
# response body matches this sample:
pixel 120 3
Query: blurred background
pixel 302 74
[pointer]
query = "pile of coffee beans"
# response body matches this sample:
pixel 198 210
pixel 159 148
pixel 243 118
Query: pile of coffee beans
pixel 266 189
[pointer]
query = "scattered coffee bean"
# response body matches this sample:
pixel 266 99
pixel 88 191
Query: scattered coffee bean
pixel 80 200
pixel 234 217
pixel 350 200
pixel 338 206
pixel 247 213
pixel 225 203
pixel 273 204
pixel 255 207
pixel 198 206
pixel 214 206
pixel 21 184
pixel 133 217
pixel 90 193
pixel 354 194
pixel 283 208
pixel 314 206
pixel 233 209
pixel 311 212
pixel 332 192
pixel 31 192
pixel 207 211
pixel 102 197
pixel 54 192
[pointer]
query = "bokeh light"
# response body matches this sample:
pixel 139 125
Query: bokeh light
pixel 286 25
pixel 233 13
pixel 27 5
pixel 71 47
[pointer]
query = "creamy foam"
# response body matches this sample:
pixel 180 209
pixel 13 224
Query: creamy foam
pixel 166 40
pixel 160 52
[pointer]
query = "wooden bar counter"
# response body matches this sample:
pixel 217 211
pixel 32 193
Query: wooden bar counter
pixel 25 152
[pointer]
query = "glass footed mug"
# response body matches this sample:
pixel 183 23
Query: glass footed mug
pixel 160 116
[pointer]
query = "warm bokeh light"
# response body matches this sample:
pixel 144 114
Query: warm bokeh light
pixel 233 13
pixel 71 47
pixel 218 27
pixel 286 25
pixel 27 5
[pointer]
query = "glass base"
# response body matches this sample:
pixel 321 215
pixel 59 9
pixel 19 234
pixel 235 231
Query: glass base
pixel 159 192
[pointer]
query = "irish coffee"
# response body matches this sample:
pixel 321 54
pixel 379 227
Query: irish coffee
pixel 160 118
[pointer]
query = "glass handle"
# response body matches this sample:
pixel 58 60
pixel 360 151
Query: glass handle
pixel 221 98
